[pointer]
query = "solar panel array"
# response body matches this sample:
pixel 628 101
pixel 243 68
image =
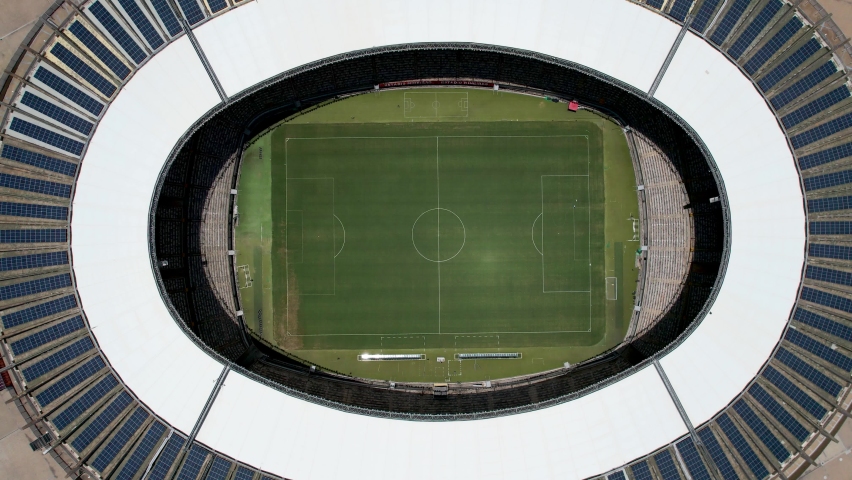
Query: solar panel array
pixel 822 131
pixel 767 401
pixel 794 393
pixel 821 350
pixel 705 13
pixel 754 28
pixel 55 360
pixel 840 252
pixel 86 401
pixel 69 91
pixel 38 160
pixel 827 299
pixel 53 235
pixel 762 431
pixel 680 9
pixel 191 11
pixel 101 421
pixel 828 180
pixel 807 372
pixel 141 452
pixel 57 113
pixel 816 106
pixel 723 465
pixel 100 50
pixel 118 32
pixel 692 460
pixel 167 16
pixel 825 156
pixel 50 334
pixel 33 287
pixel 33 185
pixel 829 204
pixel 119 441
pixel 243 473
pixel 36 260
pixel 219 5
pixel 774 44
pixel 729 20
pixel 81 68
pixel 790 64
pixel 829 275
pixel 824 324
pixel 736 439
pixel 39 311
pixel 666 465
pixel 219 469
pixel 144 25
pixel 807 82
pixel 167 458
pixel 47 136
pixel 192 465
pixel 68 382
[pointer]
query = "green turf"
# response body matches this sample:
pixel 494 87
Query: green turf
pixel 425 221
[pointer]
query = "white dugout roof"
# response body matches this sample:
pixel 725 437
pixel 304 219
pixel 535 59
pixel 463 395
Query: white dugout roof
pixel 296 439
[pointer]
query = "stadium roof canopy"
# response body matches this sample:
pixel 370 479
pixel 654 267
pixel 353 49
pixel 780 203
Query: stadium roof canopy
pixel 294 438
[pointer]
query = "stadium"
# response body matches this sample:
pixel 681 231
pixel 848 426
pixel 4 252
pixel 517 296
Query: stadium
pixel 249 240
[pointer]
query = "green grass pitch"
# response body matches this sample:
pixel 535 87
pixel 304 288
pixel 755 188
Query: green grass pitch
pixel 438 221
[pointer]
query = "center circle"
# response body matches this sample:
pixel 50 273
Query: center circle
pixel 438 235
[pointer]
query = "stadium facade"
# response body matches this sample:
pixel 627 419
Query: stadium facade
pixel 122 127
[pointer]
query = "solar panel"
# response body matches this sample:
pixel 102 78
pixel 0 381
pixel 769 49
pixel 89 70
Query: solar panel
pixel 794 393
pixel 762 431
pixel 641 471
pixel 807 82
pixel 118 32
pixel 33 287
pixel 655 3
pixel 39 311
pixel 704 15
pixel 778 412
pixel 827 325
pixel 243 473
pixel 666 466
pixel 194 460
pixel 829 275
pixel 218 469
pixel 829 228
pixel 69 91
pixel 68 382
pixel 119 441
pixel 774 44
pixel 81 68
pixel 791 63
pixel 142 23
pixel 736 439
pixel 825 130
pixel 53 235
pixel 754 28
pixel 191 11
pixel 33 210
pixel 826 299
pixel 692 459
pixel 47 136
pixel 85 402
pixel 57 113
pixel 100 50
pixel 57 359
pixel 47 335
pixel 816 106
pixel 820 350
pixel 619 475
pixel 808 372
pixel 100 423
pixel 219 5
pixel 38 160
pixel 829 204
pixel 680 9
pixel 36 186
pixel 140 453
pixel 829 180
pixel 732 16
pixel 36 260
pixel 167 458
pixel 167 16
pixel 723 465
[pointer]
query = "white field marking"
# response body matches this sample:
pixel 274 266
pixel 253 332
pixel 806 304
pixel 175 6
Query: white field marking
pixel 441 136
pixel 532 234
pixel 589 200
pixel 438 181
pixel 464 235
pixel 344 236
pixel 549 332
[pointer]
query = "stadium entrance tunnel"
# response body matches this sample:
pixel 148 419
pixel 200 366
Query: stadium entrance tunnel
pixel 193 208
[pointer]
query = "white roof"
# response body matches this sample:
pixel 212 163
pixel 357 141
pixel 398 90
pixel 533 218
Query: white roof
pixel 296 439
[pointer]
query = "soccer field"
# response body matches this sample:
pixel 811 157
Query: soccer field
pixel 440 233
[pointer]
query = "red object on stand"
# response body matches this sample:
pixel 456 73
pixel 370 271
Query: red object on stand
pixel 573 105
